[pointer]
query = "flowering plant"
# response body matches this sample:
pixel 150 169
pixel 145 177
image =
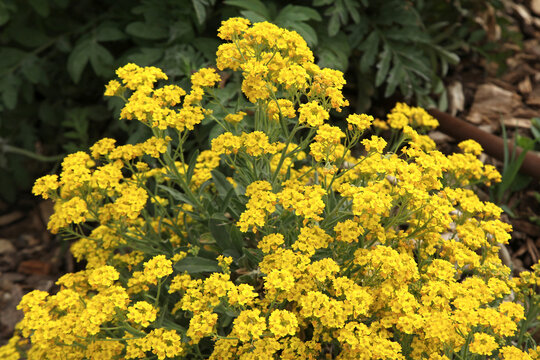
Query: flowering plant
pixel 277 242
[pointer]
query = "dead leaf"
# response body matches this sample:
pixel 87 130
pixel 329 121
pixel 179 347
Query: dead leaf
pixel 456 97
pixel 533 251
pixel 525 86
pixel 535 6
pixel 523 13
pixel 36 267
pixel 534 96
pixel 491 103
pixel 517 123
pixel 10 218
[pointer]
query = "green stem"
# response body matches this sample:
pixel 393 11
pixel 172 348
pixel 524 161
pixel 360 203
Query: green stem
pixel 16 150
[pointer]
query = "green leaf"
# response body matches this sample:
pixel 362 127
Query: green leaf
pixel 394 79
pixel 333 25
pixel 536 122
pixel 255 6
pixel 383 66
pixel 27 36
pixel 78 59
pixel 33 71
pixel 10 57
pixel 101 60
pixel 4 13
pixel 200 10
pixel 207 46
pixel 175 194
pixel 370 47
pixel 191 165
pixel 223 185
pixel 334 52
pixel 253 16
pixel 237 238
pixel 9 97
pixel 352 6
pixel 147 31
pixel 109 32
pixel 196 264
pixel 41 7
pixel 322 2
pixel 146 56
pixel 306 31
pixel 295 13
pixel 220 233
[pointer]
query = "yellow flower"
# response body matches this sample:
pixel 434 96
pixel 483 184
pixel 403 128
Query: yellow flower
pixel 282 323
pixel 359 122
pixel 205 78
pixel 201 325
pixel 313 114
pixel 471 146
pixel 249 325
pixel 233 27
pixel 235 118
pixel 483 344
pixel 142 313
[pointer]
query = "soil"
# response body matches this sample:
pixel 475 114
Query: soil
pixel 484 94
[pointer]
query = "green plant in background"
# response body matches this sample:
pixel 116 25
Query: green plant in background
pixel 513 181
pixel 50 47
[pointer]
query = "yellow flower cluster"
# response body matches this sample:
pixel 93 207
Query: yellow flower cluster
pixel 277 242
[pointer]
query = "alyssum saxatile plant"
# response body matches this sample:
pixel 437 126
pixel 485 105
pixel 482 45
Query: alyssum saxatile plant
pixel 278 242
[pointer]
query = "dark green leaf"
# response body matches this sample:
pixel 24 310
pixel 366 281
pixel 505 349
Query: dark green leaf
pixel 177 195
pixel 220 233
pixel 146 56
pixel 237 238
pixel 255 6
pixel 200 10
pixel 208 46
pixel 333 25
pixel 223 185
pixel 41 7
pixel 370 47
pixel 394 78
pixel 101 60
pixel 322 2
pixel 78 59
pixel 109 32
pixel 4 13
pixel 196 264
pixel 253 16
pixel 33 71
pixel 10 57
pixel 147 31
pixel 9 97
pixel 295 13
pixel 306 31
pixel 352 6
pixel 383 67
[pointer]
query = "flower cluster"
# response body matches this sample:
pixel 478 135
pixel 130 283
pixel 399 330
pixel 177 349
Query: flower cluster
pixel 277 242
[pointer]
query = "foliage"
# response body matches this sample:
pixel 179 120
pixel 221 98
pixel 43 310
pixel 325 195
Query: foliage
pixel 277 242
pixel 512 180
pixel 50 47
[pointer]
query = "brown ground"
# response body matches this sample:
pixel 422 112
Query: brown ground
pixel 31 258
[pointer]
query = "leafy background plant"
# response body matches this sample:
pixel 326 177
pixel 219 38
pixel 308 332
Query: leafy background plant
pixel 56 56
